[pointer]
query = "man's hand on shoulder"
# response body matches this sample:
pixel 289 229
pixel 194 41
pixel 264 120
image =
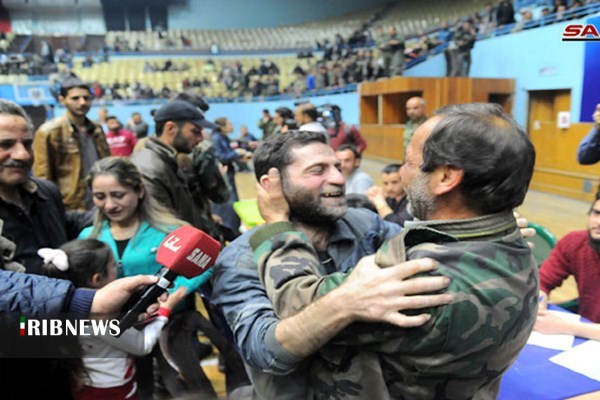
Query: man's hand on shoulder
pixel 379 294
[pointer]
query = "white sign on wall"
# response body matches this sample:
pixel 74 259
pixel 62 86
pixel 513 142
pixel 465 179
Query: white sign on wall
pixel 563 121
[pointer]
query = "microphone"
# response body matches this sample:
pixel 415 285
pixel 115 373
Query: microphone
pixel 186 251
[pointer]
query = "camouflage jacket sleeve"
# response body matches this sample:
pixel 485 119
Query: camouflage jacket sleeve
pixel 289 268
pixel 487 278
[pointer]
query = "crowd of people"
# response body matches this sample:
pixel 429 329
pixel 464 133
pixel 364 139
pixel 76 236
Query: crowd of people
pixel 349 290
pixel 291 303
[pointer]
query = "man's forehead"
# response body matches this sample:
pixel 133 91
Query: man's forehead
pixel 422 133
pixel 309 153
pixel 12 124
pixel 391 175
pixel 78 92
pixel 596 206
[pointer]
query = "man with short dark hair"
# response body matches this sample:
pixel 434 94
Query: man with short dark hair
pixel 466 169
pixel 266 124
pixel 357 181
pixel 120 141
pixel 178 129
pixel 276 350
pixel 339 131
pixel 465 40
pixel 137 125
pixel 578 255
pixel 588 151
pixel 390 200
pixel 396 48
pixel 66 147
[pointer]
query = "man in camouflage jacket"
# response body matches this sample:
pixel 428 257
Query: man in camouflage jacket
pixel 466 346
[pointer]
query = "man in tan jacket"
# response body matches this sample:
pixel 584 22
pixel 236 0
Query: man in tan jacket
pixel 66 147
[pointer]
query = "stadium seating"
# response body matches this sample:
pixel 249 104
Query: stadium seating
pixel 132 70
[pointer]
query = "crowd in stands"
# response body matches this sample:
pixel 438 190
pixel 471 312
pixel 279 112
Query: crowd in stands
pixel 371 52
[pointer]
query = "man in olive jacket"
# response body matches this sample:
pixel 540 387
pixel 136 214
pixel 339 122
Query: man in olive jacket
pixel 66 147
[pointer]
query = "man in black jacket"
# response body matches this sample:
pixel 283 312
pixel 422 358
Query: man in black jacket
pixel 178 130
pixel 32 209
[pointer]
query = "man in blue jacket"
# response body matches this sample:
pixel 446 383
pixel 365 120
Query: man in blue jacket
pixel 588 151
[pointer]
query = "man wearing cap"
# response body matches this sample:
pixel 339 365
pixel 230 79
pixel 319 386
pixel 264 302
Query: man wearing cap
pixel 178 130
pixel 66 147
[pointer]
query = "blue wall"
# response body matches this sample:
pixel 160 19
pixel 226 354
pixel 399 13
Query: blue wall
pixel 239 113
pixel 227 14
pixel 537 59
pixel 591 83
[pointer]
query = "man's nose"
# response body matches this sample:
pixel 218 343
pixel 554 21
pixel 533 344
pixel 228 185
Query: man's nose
pixel 336 177
pixel 21 153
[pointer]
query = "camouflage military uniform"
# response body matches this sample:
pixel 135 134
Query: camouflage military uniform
pixel 460 353
pixel 409 130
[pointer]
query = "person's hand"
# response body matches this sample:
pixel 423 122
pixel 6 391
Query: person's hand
pixel 253 144
pixel 174 298
pixel 550 322
pixel 222 168
pixel 110 298
pixel 543 301
pixel 379 294
pixel 272 203
pixel 217 219
pixel 596 116
pixel 523 225
pixel 375 195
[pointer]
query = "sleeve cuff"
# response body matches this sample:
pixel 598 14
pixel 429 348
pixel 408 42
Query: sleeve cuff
pixel 266 232
pixel 81 303
pixel 281 355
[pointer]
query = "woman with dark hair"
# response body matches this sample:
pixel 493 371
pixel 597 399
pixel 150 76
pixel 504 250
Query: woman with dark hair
pixel 133 225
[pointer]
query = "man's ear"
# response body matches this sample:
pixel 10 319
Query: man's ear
pixel 264 181
pixel 445 179
pixel 170 129
pixel 61 100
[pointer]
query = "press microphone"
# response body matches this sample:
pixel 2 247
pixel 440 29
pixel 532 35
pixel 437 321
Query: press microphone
pixel 187 252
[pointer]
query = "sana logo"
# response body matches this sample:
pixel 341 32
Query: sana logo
pixel 580 33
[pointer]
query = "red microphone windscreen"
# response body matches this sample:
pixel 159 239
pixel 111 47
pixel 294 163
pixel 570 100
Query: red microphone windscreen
pixel 188 251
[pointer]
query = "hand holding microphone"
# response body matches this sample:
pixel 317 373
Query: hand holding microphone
pixel 186 251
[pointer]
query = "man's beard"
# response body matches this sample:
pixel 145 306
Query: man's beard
pixel 594 243
pixel 421 204
pixel 180 143
pixel 306 209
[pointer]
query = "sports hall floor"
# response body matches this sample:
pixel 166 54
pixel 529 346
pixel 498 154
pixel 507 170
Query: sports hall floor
pixel 558 214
